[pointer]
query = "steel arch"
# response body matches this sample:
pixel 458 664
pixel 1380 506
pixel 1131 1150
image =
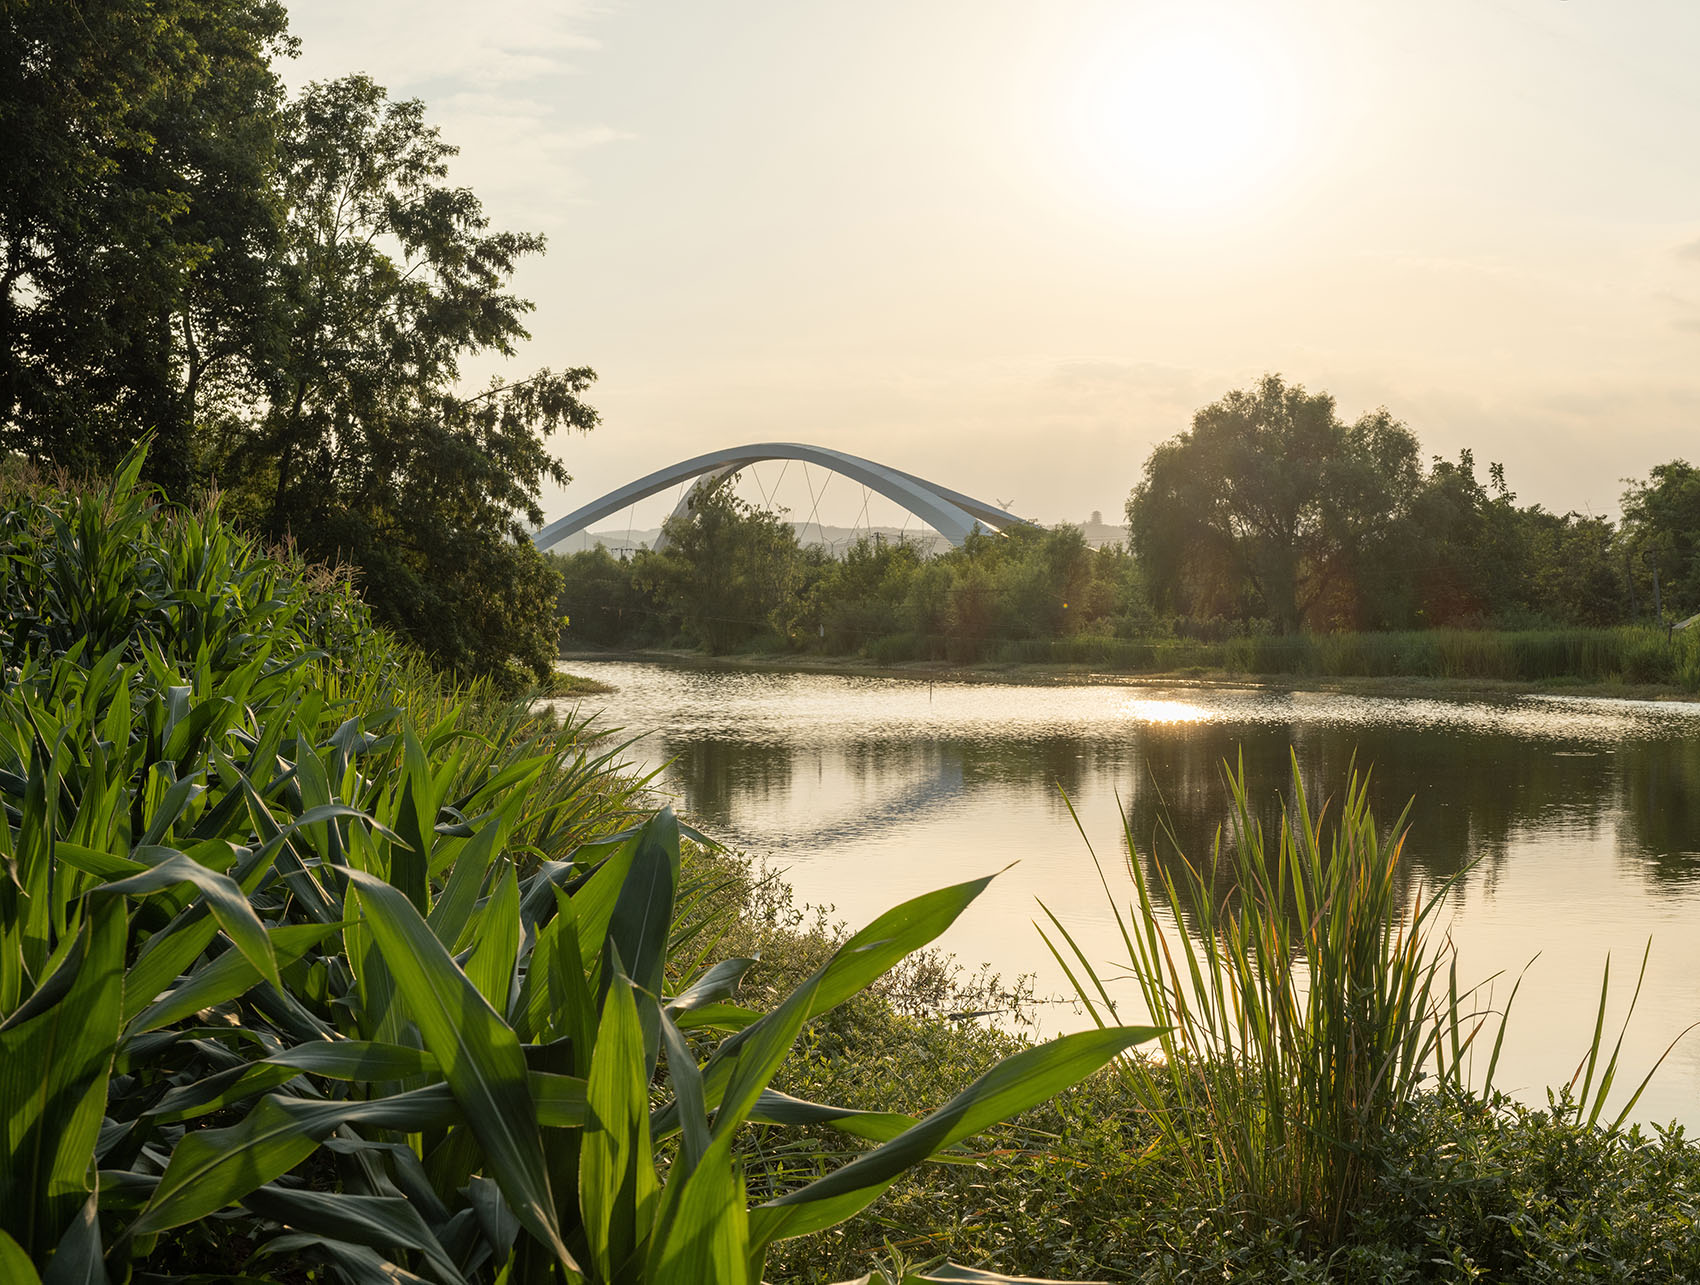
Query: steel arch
pixel 952 514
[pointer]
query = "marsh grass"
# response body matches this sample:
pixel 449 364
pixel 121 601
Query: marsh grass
pixel 1629 654
pixel 1302 1015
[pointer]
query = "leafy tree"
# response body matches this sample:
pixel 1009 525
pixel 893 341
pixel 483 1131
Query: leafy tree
pixel 365 452
pixel 1269 505
pixel 725 570
pixel 1466 557
pixel 136 218
pixel 1661 517
pixel 600 601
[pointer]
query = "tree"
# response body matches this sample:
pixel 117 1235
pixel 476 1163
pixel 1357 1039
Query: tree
pixel 1661 519
pixel 726 569
pixel 365 450
pixel 136 209
pixel 1271 506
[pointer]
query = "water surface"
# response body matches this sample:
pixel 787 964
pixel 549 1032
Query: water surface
pixel 1575 822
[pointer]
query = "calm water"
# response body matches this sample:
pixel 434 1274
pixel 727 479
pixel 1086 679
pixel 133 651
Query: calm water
pixel 1581 816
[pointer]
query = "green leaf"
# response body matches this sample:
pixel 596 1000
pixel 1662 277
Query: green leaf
pixel 78 1259
pixel 774 1107
pixel 230 975
pixel 54 1069
pixel 228 903
pixel 491 968
pixel 15 1265
pixel 377 1222
pixel 356 1060
pixel 1013 1085
pixel 211 1168
pixel 617 1183
pixel 479 1054
pixel 706 1233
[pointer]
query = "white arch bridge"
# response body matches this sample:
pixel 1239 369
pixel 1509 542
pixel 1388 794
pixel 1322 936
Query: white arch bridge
pixel 952 514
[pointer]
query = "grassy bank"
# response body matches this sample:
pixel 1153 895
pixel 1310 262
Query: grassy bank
pixel 1075 664
pixel 1627 655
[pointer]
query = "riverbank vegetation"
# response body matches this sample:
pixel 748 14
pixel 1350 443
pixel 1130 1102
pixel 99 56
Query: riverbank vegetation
pixel 1269 539
pixel 311 959
pixel 312 962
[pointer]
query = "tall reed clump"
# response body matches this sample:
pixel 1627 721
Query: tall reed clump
pixel 308 959
pixel 1300 1013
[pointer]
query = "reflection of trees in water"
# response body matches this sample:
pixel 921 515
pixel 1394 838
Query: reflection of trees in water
pixel 715 774
pixel 1661 793
pixel 1470 792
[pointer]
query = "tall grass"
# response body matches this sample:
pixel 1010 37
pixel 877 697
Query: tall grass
pixel 1303 1013
pixel 1629 654
pixel 1276 1079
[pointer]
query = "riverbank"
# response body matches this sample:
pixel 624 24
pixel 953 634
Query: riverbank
pixel 1058 674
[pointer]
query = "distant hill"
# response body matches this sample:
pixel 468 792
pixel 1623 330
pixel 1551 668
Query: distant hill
pixel 837 538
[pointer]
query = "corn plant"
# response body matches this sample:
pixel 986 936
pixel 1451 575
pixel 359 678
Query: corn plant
pixel 301 950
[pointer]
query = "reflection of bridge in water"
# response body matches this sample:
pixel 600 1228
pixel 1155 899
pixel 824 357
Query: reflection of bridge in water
pixel 866 818
pixel 952 514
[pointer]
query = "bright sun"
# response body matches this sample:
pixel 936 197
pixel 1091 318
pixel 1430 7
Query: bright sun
pixel 1185 120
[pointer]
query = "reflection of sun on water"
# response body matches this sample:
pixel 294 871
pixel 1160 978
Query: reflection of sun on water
pixel 1157 711
pixel 1186 117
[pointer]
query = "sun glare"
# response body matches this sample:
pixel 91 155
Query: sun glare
pixel 1185 119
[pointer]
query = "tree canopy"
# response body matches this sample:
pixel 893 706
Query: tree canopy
pixel 282 295
pixel 1270 504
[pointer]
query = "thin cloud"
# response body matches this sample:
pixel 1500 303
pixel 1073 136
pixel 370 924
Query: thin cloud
pixel 1690 251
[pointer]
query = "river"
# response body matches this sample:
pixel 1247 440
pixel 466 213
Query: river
pixel 1575 821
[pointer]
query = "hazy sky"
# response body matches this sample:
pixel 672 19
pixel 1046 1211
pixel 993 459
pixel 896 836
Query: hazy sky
pixel 1011 246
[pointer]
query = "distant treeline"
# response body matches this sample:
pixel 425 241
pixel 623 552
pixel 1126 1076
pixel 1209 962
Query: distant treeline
pixel 1261 539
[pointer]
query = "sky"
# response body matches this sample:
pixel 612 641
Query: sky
pixel 1013 246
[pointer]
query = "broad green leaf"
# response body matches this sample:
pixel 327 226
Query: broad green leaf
pixel 228 903
pixel 706 1233
pixel 562 1100
pixel 713 986
pixel 491 968
pixel 774 1107
pixel 479 1054
pixel 54 1069
pixel 1012 1086
pixel 211 1168
pixel 858 962
pixel 230 975
pixel 453 909
pixel 78 1259
pixel 686 1078
pixel 380 1223
pixel 15 1265
pixel 617 1183
pixel 356 1060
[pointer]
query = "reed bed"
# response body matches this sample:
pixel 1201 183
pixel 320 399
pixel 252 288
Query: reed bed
pixel 1628 654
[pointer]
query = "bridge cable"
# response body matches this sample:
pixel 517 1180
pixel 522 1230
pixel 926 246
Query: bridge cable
pixel 815 510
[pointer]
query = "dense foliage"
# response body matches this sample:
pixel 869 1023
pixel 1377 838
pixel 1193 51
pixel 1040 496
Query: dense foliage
pixel 739 580
pixel 305 958
pixel 1093 1185
pixel 280 294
